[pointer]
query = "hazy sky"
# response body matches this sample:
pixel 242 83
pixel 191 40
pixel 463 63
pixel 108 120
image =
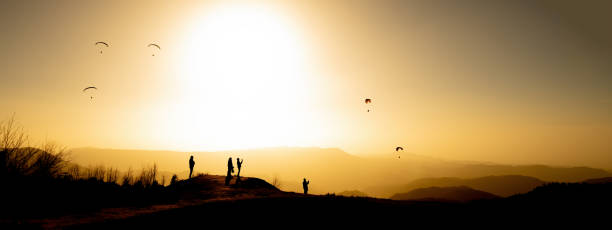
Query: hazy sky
pixel 500 81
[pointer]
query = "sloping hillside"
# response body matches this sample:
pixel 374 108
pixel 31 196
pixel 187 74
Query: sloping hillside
pixel 195 191
pixel 460 193
pixel 603 180
pixel 499 185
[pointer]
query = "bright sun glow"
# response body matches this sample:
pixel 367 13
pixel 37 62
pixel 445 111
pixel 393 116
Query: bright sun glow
pixel 243 68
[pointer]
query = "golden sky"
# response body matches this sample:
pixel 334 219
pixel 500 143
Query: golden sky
pixel 500 81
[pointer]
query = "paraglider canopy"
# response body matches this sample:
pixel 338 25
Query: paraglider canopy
pixel 154 45
pixel 397 149
pixel 368 101
pixel 101 44
pixel 88 89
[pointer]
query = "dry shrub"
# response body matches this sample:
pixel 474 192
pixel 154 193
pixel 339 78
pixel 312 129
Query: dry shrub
pixel 75 172
pixel 96 172
pixel 112 174
pixel 148 176
pixel 17 159
pixel 128 178
pixel 276 182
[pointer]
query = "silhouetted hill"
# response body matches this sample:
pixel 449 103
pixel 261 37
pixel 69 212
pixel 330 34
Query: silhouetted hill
pixel 64 202
pixel 460 193
pixel 499 185
pixel 565 196
pixel 542 172
pixel 603 180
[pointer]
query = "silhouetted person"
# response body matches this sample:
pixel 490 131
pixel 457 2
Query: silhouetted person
pixel 305 185
pixel 230 170
pixel 191 164
pixel 228 178
pixel 239 163
pixel 230 166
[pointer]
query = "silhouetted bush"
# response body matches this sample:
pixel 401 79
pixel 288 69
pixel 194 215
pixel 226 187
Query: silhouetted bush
pixel 112 175
pixel 75 172
pixel 128 178
pixel 173 180
pixel 276 182
pixel 148 177
pixel 16 159
pixel 96 172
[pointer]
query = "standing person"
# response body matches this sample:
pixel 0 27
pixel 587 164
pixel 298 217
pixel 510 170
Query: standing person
pixel 305 185
pixel 239 163
pixel 230 170
pixel 191 164
pixel 230 166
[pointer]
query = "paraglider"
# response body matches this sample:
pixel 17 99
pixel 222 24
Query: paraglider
pixel 368 101
pixel 397 149
pixel 88 90
pixel 154 45
pixel 100 45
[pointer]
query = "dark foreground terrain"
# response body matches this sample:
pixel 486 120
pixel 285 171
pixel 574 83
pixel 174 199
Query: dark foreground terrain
pixel 206 201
